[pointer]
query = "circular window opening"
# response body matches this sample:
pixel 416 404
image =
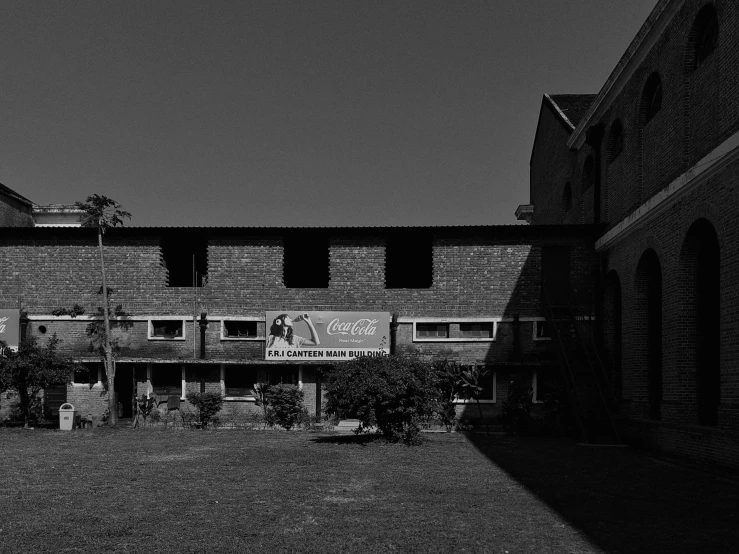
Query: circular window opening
pixel 42 329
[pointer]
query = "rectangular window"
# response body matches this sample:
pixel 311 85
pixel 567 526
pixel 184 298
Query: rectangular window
pixel 477 330
pixel 166 379
pixel 86 374
pixel 488 383
pixel 432 330
pixel 239 329
pixel 167 329
pixel 306 260
pixel 239 380
pixel 287 375
pixel 542 331
pixel 409 260
pixel 185 257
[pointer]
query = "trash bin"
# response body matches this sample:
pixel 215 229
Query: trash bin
pixel 66 417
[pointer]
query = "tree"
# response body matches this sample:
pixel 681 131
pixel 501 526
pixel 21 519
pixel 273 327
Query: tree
pixel 394 393
pixel 31 369
pixel 103 213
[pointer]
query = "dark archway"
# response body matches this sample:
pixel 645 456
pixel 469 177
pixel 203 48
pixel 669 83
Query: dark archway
pixel 700 270
pixel 648 316
pixel 612 331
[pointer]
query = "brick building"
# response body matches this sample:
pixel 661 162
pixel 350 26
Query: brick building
pixel 471 294
pixel 655 159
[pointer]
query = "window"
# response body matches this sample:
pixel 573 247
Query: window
pixel 703 37
pixel 235 330
pixel 477 330
pixel 409 260
pixel 588 173
pixel 542 331
pixel 166 379
pixel 86 374
pixel 567 198
pixel 287 375
pixel 306 260
pixel 185 257
pixel 239 380
pixel 651 100
pixel 167 329
pixel 432 330
pixel 488 382
pixel 615 141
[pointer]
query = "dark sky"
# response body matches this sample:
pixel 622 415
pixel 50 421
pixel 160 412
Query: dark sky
pixel 293 113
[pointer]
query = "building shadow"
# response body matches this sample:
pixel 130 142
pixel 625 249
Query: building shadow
pixel 622 501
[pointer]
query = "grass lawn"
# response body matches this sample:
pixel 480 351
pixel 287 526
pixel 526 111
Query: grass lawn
pixel 145 490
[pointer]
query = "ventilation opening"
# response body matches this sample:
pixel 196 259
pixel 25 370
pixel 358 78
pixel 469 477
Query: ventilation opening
pixel 306 260
pixel 409 261
pixel 185 257
pixel 588 173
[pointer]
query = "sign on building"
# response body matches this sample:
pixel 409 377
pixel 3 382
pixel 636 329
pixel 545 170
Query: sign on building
pixel 317 336
pixel 9 325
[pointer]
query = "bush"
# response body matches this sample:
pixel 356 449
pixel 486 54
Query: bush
pixel 284 404
pixel 208 404
pixel 516 412
pixel 394 393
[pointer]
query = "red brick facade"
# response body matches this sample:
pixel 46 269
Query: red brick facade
pixel 490 273
pixel 669 200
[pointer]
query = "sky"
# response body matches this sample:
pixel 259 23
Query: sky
pixel 299 113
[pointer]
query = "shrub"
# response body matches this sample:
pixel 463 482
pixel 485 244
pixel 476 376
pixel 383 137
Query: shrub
pixel 394 393
pixel 207 404
pixel 284 406
pixel 516 412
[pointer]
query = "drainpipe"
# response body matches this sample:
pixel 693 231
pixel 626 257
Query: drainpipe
pixel 203 326
pixel 393 334
pixel 23 325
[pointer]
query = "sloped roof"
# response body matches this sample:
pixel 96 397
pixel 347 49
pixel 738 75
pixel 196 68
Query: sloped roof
pixel 571 107
pixel 12 194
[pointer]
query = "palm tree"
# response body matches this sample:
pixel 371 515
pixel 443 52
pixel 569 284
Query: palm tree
pixel 103 213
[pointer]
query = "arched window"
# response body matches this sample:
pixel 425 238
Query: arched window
pixel 651 98
pixel 615 141
pixel 703 37
pixel 588 173
pixel 567 198
pixel 648 317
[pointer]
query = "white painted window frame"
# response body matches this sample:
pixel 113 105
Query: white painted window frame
pixel 449 321
pixel 150 328
pixel 246 318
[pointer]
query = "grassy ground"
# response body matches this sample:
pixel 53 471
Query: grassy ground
pixel 231 491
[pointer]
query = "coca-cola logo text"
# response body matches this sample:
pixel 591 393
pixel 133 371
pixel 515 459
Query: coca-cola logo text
pixel 360 327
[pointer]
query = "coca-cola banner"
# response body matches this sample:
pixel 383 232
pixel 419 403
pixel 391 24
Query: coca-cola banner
pixel 9 327
pixel 315 336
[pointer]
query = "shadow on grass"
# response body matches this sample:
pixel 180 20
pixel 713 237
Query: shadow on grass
pixel 620 500
pixel 347 439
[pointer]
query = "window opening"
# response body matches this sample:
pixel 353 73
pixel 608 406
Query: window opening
pixel 705 34
pixel 476 330
pixel 409 261
pixel 86 374
pixel 651 98
pixel 167 328
pixel 306 260
pixel 239 329
pixel 615 140
pixel 567 198
pixel 166 379
pixel 432 330
pixel 185 257
pixel 239 380
pixel 287 375
pixel 588 173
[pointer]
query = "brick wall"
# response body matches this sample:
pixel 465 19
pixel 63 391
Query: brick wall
pixel 14 213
